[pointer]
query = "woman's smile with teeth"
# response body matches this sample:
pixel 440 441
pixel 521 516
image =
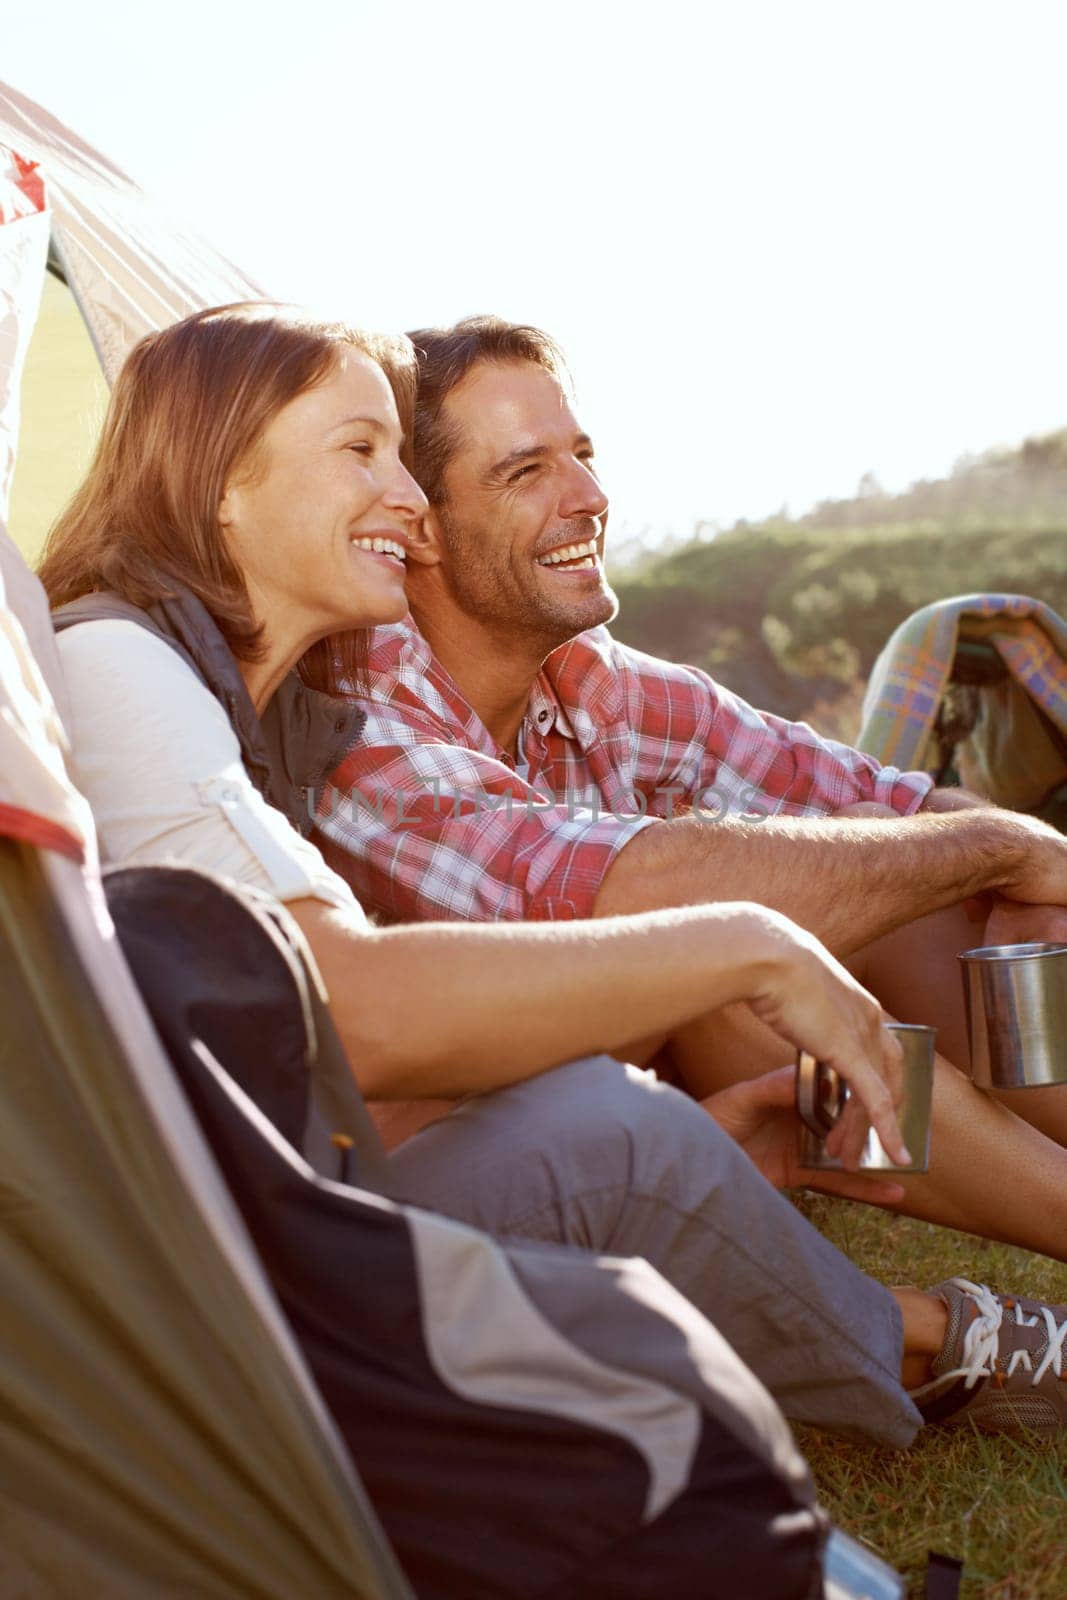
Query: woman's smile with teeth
pixel 380 547
pixel 582 555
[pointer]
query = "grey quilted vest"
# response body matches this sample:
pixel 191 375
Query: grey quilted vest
pixel 302 736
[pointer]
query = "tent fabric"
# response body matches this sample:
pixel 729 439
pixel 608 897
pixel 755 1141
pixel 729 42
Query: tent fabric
pixel 152 1401
pixel 23 254
pixel 132 268
pixel 24 231
pixel 21 189
pixel 36 795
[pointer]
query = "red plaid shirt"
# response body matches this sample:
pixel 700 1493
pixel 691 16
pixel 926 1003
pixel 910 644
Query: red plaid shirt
pixel 428 817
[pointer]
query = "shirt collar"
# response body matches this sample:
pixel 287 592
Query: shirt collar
pixel 545 712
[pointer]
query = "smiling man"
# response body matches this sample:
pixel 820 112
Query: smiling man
pixel 521 763
pixel 521 541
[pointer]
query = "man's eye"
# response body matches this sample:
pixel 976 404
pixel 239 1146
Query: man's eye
pixel 523 472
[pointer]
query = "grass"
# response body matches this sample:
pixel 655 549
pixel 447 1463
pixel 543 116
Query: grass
pixel 996 1503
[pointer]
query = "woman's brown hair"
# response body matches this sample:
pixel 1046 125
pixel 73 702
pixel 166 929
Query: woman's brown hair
pixel 188 408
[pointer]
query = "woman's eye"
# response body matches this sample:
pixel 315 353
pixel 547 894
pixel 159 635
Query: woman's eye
pixel 362 448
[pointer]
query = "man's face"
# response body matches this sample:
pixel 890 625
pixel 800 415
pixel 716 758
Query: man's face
pixel 523 526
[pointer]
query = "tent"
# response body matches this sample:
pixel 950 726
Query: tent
pixel 129 266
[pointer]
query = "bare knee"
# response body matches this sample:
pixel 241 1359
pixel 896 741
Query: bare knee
pixel 866 808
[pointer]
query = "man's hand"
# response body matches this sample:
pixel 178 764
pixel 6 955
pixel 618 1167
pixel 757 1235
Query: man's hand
pixel 1038 878
pixel 759 1114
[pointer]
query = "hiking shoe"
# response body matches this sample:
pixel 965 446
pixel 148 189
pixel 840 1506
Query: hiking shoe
pixel 1003 1363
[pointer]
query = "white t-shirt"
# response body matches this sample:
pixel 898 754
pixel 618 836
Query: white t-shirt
pixel 156 758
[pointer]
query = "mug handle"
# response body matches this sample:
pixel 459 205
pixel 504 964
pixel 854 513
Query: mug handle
pixel 821 1095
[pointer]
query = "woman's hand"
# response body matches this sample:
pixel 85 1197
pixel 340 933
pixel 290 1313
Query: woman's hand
pixel 759 1114
pixel 809 998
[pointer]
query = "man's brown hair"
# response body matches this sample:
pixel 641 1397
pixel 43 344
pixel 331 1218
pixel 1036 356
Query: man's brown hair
pixel 188 409
pixel 444 357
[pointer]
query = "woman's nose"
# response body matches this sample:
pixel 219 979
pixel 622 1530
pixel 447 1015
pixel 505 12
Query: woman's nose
pixel 404 494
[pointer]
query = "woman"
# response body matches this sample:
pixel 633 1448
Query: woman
pixel 247 508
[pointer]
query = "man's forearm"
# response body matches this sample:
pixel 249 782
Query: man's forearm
pixel 847 880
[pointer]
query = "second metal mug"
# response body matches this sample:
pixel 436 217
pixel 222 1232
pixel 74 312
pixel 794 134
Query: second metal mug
pixel 822 1095
pixel 1017 1014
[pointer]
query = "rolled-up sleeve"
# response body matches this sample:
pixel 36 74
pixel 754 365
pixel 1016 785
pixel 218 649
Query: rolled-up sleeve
pixel 694 738
pixel 159 763
pixel 796 772
pixel 424 829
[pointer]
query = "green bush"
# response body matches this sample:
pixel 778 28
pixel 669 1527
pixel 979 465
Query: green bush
pixel 789 614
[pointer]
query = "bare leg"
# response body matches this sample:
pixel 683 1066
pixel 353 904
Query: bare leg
pixel 915 974
pixel 1042 1108
pixel 925 1320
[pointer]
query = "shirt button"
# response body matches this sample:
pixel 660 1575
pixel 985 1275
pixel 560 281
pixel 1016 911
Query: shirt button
pixel 230 797
pixel 542 716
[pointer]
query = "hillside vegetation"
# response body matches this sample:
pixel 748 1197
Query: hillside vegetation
pixel 791 612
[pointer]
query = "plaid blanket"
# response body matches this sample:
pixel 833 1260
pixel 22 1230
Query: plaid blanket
pixel 1011 755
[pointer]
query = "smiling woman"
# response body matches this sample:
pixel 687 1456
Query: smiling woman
pixel 316 519
pixel 283 442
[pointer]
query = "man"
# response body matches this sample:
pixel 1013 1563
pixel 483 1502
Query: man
pixel 513 692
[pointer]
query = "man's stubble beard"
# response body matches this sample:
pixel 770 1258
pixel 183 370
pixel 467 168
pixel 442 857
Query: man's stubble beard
pixel 493 597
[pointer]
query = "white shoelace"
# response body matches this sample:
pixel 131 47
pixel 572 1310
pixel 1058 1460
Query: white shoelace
pixel 980 1339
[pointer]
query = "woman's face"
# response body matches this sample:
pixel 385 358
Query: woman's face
pixel 318 520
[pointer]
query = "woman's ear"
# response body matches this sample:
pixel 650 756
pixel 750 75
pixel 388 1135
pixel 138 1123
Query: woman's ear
pixel 424 540
pixel 227 507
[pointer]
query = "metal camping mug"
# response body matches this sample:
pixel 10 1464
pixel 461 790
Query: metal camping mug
pixel 1016 997
pixel 822 1094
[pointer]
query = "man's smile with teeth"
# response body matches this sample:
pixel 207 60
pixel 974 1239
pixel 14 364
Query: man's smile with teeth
pixel 583 555
pixel 379 546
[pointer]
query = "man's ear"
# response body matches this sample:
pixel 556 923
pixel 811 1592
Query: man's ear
pixel 425 543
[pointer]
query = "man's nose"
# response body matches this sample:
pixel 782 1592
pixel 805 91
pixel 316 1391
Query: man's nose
pixel 582 495
pixel 404 494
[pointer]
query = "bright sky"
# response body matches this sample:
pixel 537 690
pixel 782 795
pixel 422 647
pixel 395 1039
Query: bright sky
pixel 783 244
